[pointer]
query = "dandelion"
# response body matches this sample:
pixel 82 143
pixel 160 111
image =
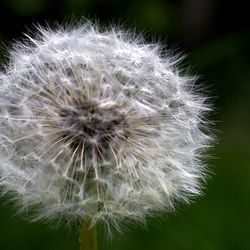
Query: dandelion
pixel 98 126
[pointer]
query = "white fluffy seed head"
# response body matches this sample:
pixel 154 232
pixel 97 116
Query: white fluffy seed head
pixel 97 125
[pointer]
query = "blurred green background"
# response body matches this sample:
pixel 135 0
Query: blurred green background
pixel 215 36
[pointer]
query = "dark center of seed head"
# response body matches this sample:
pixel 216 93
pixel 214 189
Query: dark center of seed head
pixel 90 126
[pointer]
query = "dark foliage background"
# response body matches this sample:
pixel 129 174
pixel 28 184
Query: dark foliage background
pixel 215 36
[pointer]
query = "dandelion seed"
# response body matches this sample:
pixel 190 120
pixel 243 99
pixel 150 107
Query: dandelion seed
pixel 98 125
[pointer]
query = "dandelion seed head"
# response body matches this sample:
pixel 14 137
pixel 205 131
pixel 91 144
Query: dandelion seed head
pixel 98 125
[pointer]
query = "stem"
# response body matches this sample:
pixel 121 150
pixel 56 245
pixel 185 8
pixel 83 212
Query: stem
pixel 88 237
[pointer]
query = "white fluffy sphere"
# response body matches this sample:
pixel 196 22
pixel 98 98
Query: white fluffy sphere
pixel 97 125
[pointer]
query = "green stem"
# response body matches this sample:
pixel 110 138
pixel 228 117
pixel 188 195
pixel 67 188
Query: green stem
pixel 88 237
